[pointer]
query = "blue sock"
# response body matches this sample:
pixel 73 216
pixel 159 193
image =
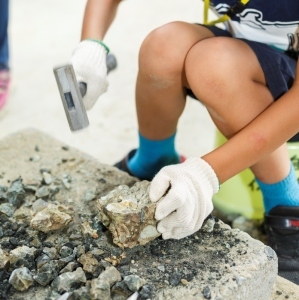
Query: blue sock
pixel 152 155
pixel 284 193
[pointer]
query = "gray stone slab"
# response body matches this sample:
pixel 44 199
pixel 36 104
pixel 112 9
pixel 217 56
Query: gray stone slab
pixel 226 263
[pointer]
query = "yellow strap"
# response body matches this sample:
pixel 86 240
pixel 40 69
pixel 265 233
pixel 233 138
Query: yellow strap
pixel 224 18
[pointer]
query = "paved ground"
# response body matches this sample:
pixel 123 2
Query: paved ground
pixel 43 35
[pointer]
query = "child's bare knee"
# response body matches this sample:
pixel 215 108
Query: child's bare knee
pixel 211 64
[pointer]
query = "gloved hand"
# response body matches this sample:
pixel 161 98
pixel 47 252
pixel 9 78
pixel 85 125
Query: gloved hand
pixel 89 62
pixel 183 194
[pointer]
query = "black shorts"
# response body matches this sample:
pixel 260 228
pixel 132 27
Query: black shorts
pixel 279 67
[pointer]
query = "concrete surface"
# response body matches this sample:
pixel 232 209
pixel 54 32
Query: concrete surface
pixel 43 35
pixel 217 262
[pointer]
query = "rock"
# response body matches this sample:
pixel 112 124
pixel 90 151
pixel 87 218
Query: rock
pixel 70 267
pixel 41 260
pixel 146 292
pixel 65 251
pixel 53 217
pixel 4 260
pixel 229 262
pixel 89 262
pixel 39 205
pixel 206 292
pixel 111 275
pixel 21 279
pixel 22 257
pixel 120 291
pixel 100 289
pixel 23 213
pixel 90 195
pixel 208 225
pixel 42 192
pixel 134 282
pixel 66 281
pixel 175 279
pixel 3 196
pixel 87 230
pixel 128 213
pixel 50 252
pixel 47 177
pixel 16 192
pixel 7 209
pixel 46 273
pixel 82 293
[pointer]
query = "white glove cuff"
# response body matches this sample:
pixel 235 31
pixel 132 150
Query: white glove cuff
pixel 203 171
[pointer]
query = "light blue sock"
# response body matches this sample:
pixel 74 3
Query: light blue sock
pixel 152 155
pixel 285 192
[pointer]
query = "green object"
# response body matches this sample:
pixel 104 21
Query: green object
pixel 241 193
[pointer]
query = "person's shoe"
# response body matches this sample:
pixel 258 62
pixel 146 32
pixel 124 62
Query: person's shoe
pixel 4 85
pixel 282 225
pixel 123 164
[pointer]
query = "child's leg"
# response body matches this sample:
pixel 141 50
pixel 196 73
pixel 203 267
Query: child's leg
pixel 227 76
pixel 161 95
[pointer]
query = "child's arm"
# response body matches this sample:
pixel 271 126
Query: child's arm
pixel 89 56
pixel 98 17
pixel 263 135
pixel 184 192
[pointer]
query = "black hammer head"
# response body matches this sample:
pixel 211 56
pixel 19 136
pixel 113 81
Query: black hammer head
pixel 71 97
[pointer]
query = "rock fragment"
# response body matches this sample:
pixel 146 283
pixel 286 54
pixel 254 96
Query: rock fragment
pixel 22 257
pixel 21 279
pixel 4 260
pixel 7 209
pixel 66 281
pixel 134 282
pixel 88 230
pixel 111 275
pixel 42 192
pixel 128 213
pixel 52 217
pixel 16 192
pixel 83 293
pixel 100 289
pixel 46 273
pixel 89 262
pixel 47 177
pixel 120 291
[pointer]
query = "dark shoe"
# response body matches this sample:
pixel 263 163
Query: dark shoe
pixel 282 225
pixel 123 164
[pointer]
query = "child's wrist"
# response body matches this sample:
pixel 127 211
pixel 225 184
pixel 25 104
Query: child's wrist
pixel 99 42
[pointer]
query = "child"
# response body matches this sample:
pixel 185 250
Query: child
pixel 245 77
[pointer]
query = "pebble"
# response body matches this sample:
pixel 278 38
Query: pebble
pixel 206 292
pixel 21 279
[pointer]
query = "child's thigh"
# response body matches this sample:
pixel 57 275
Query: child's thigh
pixel 278 67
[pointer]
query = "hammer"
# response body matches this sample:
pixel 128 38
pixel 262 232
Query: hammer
pixel 72 92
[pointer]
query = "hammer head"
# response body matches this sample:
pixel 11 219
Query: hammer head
pixel 71 97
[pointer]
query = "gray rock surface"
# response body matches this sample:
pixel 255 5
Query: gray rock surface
pixel 216 262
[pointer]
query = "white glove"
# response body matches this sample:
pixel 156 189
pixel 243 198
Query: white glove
pixel 89 62
pixel 184 195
